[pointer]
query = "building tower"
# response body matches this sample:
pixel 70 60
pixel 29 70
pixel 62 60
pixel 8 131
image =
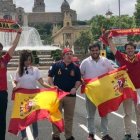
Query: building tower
pixel 67 19
pixel 7 9
pixel 39 6
pixel 65 7
pixel 8 1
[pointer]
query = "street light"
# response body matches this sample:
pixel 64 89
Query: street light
pixel 119 8
pixel 108 14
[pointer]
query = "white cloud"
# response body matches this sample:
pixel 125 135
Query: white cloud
pixel 85 8
pixel 90 8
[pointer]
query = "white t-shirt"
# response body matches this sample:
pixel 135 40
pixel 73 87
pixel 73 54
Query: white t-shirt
pixel 28 81
pixel 92 69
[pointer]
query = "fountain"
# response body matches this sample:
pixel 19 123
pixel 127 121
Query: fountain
pixel 30 39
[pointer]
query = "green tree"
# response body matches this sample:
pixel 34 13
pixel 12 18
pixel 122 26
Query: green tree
pixel 137 13
pixel 97 23
pixel 79 22
pixel 137 19
pixel 47 39
pixel 45 32
pixel 100 23
pixel 84 40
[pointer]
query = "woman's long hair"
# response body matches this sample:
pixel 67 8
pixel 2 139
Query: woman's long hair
pixel 23 57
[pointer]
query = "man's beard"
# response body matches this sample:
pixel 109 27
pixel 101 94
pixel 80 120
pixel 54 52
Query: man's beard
pixel 96 57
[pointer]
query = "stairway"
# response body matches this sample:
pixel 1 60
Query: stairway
pixel 45 60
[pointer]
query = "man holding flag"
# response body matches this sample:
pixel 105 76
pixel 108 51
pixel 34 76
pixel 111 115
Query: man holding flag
pixel 4 59
pixel 132 62
pixel 92 67
pixel 65 75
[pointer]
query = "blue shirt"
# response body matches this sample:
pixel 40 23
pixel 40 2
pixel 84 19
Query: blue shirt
pixel 64 76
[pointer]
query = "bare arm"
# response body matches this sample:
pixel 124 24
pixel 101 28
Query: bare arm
pixel 112 46
pixel 50 81
pixel 74 89
pixel 43 83
pixel 15 42
pixel 14 84
pixel 77 84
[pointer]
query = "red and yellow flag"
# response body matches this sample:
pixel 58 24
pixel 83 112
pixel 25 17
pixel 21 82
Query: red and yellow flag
pixel 31 105
pixel 108 91
pixel 118 32
pixel 8 25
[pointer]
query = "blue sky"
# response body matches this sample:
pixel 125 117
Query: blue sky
pixel 85 8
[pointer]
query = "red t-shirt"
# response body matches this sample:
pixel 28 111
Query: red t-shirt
pixel 3 71
pixel 133 66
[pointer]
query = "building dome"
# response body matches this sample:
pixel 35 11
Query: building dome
pixel 65 5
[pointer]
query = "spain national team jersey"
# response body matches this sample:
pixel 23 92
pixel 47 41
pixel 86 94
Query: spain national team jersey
pixel 133 66
pixel 64 76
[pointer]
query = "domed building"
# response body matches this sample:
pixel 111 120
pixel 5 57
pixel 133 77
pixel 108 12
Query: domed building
pixel 8 10
pixel 65 6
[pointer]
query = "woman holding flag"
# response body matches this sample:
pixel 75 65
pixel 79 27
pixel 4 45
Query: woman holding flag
pixel 27 77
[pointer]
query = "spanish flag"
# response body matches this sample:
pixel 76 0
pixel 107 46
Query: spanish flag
pixel 108 91
pixel 31 105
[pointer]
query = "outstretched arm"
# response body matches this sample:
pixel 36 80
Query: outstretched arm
pixel 15 42
pixel 44 84
pixel 112 46
pixel 50 81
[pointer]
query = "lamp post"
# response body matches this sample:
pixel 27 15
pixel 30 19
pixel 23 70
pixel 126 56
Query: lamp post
pixel 119 8
pixel 108 14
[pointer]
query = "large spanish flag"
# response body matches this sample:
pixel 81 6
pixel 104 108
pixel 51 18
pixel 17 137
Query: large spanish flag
pixel 108 91
pixel 31 105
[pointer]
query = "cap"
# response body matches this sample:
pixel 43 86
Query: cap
pixel 65 50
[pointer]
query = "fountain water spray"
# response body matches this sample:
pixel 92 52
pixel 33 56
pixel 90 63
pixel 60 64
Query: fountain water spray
pixel 30 39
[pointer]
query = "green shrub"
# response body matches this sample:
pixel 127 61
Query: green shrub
pixel 35 57
pixel 56 55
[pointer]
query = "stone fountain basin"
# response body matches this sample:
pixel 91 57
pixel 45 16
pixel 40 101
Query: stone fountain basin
pixel 36 48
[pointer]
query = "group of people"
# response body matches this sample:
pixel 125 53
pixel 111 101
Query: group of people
pixel 66 75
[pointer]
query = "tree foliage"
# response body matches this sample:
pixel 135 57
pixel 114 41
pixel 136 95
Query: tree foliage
pixel 137 19
pixel 100 23
pixel 84 40
pixel 137 13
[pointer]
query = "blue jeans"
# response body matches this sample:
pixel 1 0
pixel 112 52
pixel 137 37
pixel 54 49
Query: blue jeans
pixel 35 131
pixel 91 110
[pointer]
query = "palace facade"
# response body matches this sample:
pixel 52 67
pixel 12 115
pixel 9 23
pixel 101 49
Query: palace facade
pixel 8 10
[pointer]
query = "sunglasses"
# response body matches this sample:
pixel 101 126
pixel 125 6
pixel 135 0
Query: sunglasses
pixel 26 70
